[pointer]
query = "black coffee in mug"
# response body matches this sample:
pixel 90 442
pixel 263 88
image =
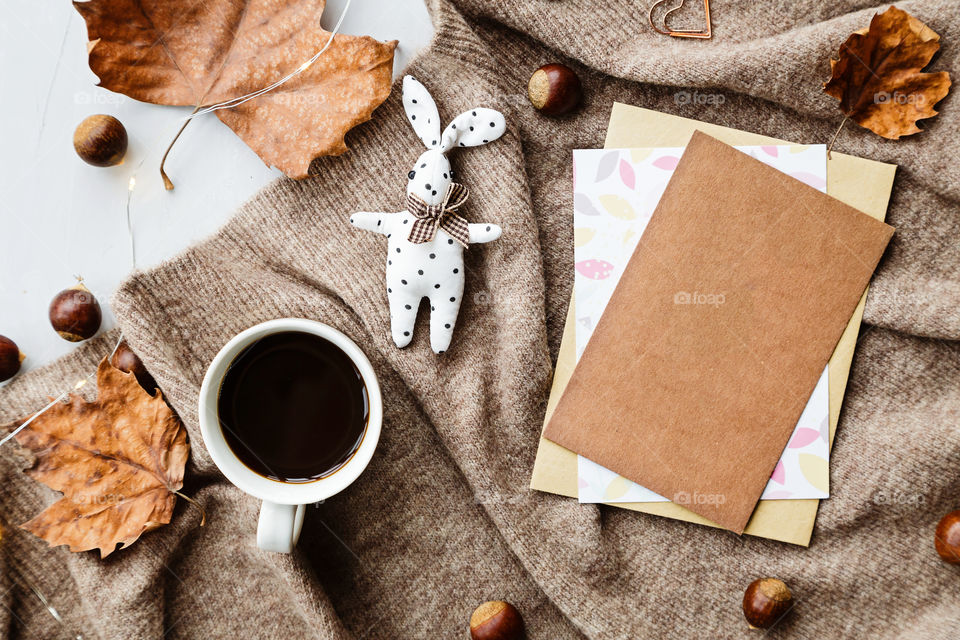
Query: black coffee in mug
pixel 293 407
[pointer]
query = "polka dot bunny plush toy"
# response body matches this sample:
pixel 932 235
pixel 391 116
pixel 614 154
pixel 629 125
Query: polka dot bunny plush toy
pixel 427 239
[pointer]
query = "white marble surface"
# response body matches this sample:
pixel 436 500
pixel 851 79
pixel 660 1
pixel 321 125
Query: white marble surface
pixel 62 218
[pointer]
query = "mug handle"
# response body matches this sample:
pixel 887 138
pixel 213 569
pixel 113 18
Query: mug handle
pixel 279 526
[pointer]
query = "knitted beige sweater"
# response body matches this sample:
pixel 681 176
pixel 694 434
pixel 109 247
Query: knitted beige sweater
pixel 443 518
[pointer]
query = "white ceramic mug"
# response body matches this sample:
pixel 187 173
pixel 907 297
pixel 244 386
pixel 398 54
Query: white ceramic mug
pixel 281 514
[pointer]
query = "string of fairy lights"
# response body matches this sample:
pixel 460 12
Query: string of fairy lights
pixel 235 102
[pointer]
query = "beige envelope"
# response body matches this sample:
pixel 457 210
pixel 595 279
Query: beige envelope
pixel 863 184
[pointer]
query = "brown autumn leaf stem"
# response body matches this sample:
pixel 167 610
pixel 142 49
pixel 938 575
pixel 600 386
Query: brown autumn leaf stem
pixel 835 135
pixel 203 512
pixel 167 183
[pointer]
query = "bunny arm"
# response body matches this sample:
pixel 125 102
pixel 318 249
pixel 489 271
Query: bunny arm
pixel 480 232
pixel 376 221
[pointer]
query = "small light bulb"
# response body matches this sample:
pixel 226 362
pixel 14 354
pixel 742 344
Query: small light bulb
pixel 305 66
pixel 133 183
pixel 80 383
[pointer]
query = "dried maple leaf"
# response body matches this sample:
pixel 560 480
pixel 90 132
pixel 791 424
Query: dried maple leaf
pixel 117 461
pixel 203 53
pixel 878 77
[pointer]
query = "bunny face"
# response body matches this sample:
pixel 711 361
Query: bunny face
pixel 430 177
pixel 431 174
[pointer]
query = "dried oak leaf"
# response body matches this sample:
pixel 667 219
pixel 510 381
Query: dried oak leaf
pixel 117 461
pixel 878 77
pixel 202 53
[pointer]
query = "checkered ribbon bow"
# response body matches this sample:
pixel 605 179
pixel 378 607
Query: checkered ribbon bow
pixel 430 217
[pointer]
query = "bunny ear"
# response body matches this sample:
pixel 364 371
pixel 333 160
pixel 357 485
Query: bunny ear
pixel 472 128
pixel 422 112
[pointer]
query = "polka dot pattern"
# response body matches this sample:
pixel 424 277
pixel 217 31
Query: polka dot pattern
pixel 433 269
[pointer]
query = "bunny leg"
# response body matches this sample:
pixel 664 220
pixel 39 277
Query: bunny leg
pixel 403 315
pixel 444 308
pixel 443 318
pixel 481 232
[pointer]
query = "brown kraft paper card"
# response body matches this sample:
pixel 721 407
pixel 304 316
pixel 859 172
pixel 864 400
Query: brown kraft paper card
pixel 723 321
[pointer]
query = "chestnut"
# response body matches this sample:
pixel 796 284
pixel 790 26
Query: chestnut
pixel 10 358
pixel 766 601
pixel 127 361
pixel 100 140
pixel 947 537
pixel 554 89
pixel 496 620
pixel 75 313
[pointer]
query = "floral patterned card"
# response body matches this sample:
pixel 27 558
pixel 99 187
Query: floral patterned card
pixel 615 193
